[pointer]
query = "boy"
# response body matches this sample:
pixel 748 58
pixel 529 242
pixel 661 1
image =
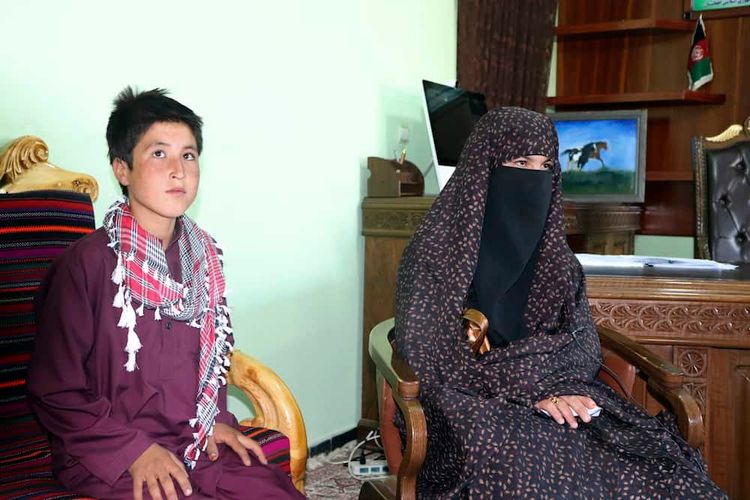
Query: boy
pixel 133 335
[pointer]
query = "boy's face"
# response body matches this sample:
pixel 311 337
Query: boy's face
pixel 163 180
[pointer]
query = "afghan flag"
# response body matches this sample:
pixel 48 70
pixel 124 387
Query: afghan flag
pixel 700 70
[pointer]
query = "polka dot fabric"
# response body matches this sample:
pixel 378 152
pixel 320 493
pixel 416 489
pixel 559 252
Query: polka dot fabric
pixel 485 438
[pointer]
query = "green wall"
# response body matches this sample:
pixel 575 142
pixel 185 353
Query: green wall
pixel 664 246
pixel 295 95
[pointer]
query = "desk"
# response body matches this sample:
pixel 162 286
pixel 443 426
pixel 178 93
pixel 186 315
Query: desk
pixel 700 321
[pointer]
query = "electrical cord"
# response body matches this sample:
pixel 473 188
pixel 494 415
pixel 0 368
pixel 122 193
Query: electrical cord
pixel 372 436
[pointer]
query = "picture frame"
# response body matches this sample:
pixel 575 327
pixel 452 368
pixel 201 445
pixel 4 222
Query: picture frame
pixel 602 155
pixel 712 9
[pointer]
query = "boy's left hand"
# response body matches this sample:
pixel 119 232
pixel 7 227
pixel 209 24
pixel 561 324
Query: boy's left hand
pixel 233 438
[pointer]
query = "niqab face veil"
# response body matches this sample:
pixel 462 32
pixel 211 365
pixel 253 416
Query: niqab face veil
pixel 515 211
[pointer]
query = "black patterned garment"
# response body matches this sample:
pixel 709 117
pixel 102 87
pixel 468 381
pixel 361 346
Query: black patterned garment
pixel 486 440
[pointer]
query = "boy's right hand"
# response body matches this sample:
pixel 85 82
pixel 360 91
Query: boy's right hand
pixel 158 466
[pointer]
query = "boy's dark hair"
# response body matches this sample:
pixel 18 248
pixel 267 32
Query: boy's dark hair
pixel 135 112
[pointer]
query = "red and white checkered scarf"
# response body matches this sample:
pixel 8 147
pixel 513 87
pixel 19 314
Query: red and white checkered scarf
pixel 142 276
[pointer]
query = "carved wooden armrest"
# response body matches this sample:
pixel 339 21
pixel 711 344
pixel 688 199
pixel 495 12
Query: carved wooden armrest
pixel 404 387
pixel 275 408
pixel 663 379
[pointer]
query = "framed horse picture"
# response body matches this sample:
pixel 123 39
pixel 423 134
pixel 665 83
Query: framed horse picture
pixel 602 155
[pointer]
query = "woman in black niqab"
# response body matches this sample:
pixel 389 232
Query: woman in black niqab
pixel 518 200
pixel 494 240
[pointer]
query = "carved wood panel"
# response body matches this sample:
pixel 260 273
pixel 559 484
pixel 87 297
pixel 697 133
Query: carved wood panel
pixel 702 327
pixel 742 432
pixel 693 361
pixel 668 319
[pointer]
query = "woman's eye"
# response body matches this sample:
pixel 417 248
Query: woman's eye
pixel 547 166
pixel 159 154
pixel 520 163
pixel 189 156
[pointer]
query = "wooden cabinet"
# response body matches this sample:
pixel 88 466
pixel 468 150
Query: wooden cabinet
pixel 633 54
pixel 701 323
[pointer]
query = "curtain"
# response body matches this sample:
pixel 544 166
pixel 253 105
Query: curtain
pixel 504 50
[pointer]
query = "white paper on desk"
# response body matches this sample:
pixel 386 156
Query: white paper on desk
pixel 641 261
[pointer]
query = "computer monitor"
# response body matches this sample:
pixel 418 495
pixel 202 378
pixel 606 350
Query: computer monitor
pixel 451 114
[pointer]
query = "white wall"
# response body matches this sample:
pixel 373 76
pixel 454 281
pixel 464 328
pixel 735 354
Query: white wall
pixel 295 94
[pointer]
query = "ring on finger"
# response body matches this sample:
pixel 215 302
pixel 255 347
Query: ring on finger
pixel 554 400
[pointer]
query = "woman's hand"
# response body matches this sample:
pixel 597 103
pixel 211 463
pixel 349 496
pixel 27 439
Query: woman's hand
pixel 559 408
pixel 233 438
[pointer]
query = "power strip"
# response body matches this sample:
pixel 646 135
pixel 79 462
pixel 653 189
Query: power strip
pixel 373 468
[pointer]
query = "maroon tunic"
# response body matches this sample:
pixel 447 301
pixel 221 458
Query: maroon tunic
pixel 101 417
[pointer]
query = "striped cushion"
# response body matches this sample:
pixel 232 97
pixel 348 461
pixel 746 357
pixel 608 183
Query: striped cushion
pixel 275 445
pixel 26 463
pixel 35 227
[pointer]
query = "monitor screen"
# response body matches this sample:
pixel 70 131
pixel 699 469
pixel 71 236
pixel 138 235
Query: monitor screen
pixel 451 115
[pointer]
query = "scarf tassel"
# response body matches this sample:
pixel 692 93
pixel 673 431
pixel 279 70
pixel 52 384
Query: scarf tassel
pixel 132 347
pixel 119 272
pixel 127 318
pixel 119 297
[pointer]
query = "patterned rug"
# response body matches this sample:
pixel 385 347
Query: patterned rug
pixel 328 478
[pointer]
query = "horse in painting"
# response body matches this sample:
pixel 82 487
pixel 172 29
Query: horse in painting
pixel 579 157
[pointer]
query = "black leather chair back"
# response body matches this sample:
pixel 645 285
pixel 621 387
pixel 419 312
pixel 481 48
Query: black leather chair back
pixel 722 174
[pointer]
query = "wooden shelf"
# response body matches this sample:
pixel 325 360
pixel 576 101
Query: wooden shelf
pixel 647 25
pixel 669 175
pixel 670 98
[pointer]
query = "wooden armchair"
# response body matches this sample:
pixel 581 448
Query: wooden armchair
pixel 398 386
pixel 43 209
pixel 275 408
